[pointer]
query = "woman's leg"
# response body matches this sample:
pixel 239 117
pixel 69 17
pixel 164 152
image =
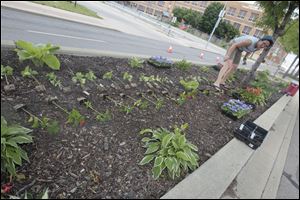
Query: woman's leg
pixel 224 70
pixel 231 71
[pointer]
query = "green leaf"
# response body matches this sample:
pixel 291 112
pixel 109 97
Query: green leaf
pixel 169 163
pixel 45 195
pixel 35 122
pixel 146 139
pixel 146 159
pixel 156 172
pixel 146 131
pixel 158 161
pixel 193 147
pixel 166 140
pixel 182 155
pixel 14 154
pixel 22 139
pixel 152 148
pixel 53 127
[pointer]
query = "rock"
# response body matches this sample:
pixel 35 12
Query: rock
pixel 107 174
pixel 133 85
pixel 66 89
pixel 40 88
pixel 127 87
pixel 208 155
pixel 73 190
pixel 81 171
pixel 9 88
pixel 123 143
pixel 105 144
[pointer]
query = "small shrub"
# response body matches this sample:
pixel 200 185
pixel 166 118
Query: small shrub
pixel 75 118
pixel 183 65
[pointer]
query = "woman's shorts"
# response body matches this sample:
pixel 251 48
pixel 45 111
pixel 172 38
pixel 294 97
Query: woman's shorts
pixel 236 55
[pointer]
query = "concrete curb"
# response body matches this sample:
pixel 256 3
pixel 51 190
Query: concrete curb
pixel 92 52
pixel 37 12
pixel 213 178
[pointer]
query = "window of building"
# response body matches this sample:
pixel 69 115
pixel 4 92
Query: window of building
pixel 237 25
pixel 141 8
pixel 258 33
pixel 253 17
pixel 246 30
pixel 157 13
pixel 242 14
pixel 149 11
pixel 161 3
pixel 203 4
pixel 231 11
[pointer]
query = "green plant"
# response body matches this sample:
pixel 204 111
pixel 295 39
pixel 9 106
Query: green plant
pixel 236 108
pixel 127 109
pixel 170 151
pixel 104 117
pixel 127 76
pixel 79 77
pixel 90 76
pixel 253 95
pixel 51 126
pixel 204 69
pixel 11 153
pixel 6 71
pixel 189 85
pixel 231 78
pixel 39 54
pixel 28 72
pixel 159 103
pixel 54 80
pixel 108 75
pixel 75 117
pixel 182 98
pixel 183 65
pixel 136 63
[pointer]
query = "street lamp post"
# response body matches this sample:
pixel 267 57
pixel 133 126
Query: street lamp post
pixel 221 15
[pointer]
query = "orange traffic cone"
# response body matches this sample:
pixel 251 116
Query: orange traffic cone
pixel 170 49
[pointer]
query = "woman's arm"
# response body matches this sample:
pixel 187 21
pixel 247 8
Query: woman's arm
pixel 236 45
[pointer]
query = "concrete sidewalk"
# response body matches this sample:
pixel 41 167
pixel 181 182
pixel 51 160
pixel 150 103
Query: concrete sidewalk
pixel 237 171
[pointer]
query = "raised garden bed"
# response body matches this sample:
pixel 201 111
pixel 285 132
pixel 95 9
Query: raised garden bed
pixel 100 159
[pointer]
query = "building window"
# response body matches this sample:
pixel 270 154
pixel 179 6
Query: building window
pixel 157 13
pixel 258 33
pixel 253 17
pixel 202 4
pixel 231 11
pixel 149 11
pixel 161 3
pixel 246 30
pixel 237 25
pixel 242 14
pixel 141 8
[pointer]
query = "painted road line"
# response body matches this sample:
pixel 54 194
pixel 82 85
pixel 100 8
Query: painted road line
pixel 66 36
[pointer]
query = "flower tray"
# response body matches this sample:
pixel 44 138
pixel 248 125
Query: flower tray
pixel 160 62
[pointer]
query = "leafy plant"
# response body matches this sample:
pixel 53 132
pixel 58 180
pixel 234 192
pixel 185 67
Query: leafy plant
pixel 75 117
pixel 11 153
pixel 51 126
pixel 253 95
pixel 236 108
pixel 127 76
pixel 108 75
pixel 170 151
pixel 79 77
pixel 183 65
pixel 204 69
pixel 127 109
pixel 189 85
pixel 90 76
pixel 159 103
pixel 54 80
pixel 6 71
pixel 136 63
pixel 39 54
pixel 104 117
pixel 28 72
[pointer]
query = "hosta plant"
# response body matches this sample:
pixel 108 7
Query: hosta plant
pixel 39 54
pixel 12 136
pixel 169 151
pixel 236 108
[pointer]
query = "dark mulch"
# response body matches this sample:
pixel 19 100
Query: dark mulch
pixel 74 163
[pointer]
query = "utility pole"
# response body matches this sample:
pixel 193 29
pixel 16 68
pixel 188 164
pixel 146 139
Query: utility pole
pixel 221 15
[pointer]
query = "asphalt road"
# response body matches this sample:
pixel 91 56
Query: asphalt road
pixel 17 25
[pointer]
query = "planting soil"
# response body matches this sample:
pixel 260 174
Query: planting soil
pixel 100 159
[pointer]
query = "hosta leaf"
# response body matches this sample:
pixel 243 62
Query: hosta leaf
pixel 146 159
pixel 22 139
pixel 158 161
pixel 193 147
pixel 166 140
pixel 156 172
pixel 152 148
pixel 170 163
pixel 52 62
pixel 146 131
pixel 35 122
pixel 182 155
pixel 146 139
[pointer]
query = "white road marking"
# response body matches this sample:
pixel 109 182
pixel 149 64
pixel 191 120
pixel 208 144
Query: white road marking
pixel 66 36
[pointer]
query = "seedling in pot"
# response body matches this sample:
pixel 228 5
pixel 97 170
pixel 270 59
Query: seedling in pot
pixel 74 117
pixel 51 126
pixel 54 80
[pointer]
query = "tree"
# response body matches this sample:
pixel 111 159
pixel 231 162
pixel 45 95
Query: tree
pixel 290 40
pixel 210 17
pixel 276 16
pixel 226 31
pixel 191 17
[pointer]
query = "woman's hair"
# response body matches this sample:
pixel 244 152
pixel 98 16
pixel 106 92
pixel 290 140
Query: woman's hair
pixel 268 38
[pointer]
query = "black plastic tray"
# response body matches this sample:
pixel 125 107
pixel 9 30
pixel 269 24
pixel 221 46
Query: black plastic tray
pixel 251 134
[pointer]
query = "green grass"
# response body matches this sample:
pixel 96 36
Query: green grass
pixel 66 5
